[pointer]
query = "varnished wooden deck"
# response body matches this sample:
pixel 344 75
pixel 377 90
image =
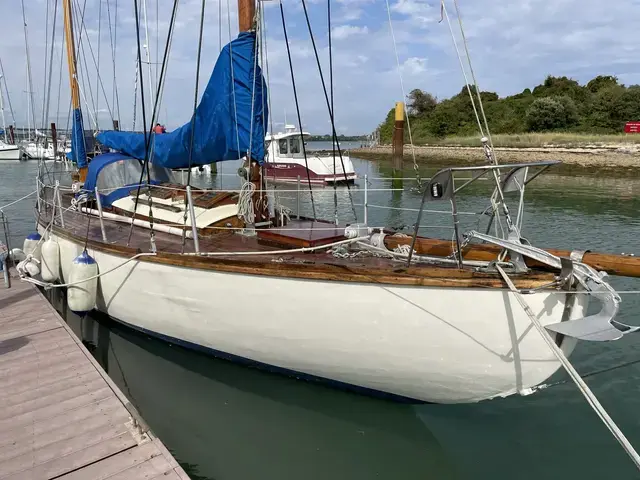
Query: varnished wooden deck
pixel 61 417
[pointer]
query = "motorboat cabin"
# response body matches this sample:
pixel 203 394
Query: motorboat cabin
pixel 285 161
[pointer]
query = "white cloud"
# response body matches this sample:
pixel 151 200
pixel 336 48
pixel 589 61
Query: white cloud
pixel 419 11
pixel 345 31
pixel 414 65
pixel 349 14
pixel 513 45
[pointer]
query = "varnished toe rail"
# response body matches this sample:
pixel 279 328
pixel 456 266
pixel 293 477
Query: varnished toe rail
pixel 621 265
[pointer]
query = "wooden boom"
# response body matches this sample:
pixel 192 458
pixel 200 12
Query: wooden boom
pixel 621 265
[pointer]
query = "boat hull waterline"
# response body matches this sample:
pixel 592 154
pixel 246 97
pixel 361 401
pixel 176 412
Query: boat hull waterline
pixel 293 173
pixel 421 343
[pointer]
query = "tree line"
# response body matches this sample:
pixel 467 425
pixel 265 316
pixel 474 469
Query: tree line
pixel 603 105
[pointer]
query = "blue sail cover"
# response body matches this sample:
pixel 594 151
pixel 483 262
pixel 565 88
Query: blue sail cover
pixel 216 133
pixel 78 150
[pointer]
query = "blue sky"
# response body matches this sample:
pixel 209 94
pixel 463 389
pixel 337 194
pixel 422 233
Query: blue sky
pixel 513 45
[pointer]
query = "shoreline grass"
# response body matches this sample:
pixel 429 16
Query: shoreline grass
pixel 533 140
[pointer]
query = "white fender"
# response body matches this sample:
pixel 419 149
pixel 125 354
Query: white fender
pixel 32 245
pixel 50 263
pixel 17 255
pixel 81 296
pixel 29 267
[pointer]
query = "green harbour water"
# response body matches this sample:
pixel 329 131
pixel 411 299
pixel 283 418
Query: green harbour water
pixel 224 421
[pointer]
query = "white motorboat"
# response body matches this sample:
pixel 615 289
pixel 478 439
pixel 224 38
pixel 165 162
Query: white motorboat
pixel 9 152
pixel 286 162
pixel 46 152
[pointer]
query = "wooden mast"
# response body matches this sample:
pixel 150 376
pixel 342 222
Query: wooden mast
pixel 73 77
pixel 246 14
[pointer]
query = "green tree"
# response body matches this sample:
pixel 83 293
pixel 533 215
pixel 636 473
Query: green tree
pixel 602 105
pixel 557 86
pixel 420 103
pixel 602 82
pixel 545 114
pixel 386 127
pixel 606 113
pixel 571 116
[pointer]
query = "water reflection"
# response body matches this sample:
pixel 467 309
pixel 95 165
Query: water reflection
pixel 225 421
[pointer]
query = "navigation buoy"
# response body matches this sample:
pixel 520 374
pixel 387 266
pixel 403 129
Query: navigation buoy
pixel 32 245
pixel 50 263
pixel 81 295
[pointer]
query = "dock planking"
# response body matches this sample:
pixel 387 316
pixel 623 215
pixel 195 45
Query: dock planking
pixel 62 417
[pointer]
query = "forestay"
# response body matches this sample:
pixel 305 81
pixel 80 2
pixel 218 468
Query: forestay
pixel 229 121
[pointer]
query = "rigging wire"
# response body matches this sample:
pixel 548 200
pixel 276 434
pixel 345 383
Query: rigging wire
pixel 404 97
pixel 144 124
pixel 464 71
pixel 60 78
pixel 326 97
pixel 333 143
pixel 49 77
pixel 46 51
pixel 84 74
pixel 193 118
pixel 157 40
pixel 115 101
pixel 473 76
pixel 98 62
pixel 265 61
pixel 6 89
pixel 146 49
pixel 233 80
pixel 135 99
pixel 29 77
pixel 295 97
pixel 97 67
pixel 77 43
pixel 148 134
pixel 497 197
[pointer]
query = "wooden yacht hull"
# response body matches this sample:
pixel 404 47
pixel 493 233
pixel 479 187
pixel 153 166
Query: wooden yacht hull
pixel 438 344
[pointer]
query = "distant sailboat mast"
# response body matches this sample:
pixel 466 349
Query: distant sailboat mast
pixel 6 90
pixel 31 115
pixel 4 125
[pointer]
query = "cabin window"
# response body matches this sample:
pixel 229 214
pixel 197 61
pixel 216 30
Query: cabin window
pixel 118 174
pixel 127 172
pixel 295 145
pixel 282 144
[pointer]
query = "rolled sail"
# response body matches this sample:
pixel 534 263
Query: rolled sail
pixel 78 149
pixel 229 121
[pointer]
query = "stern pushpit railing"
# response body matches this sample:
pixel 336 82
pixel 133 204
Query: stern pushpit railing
pixel 442 187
